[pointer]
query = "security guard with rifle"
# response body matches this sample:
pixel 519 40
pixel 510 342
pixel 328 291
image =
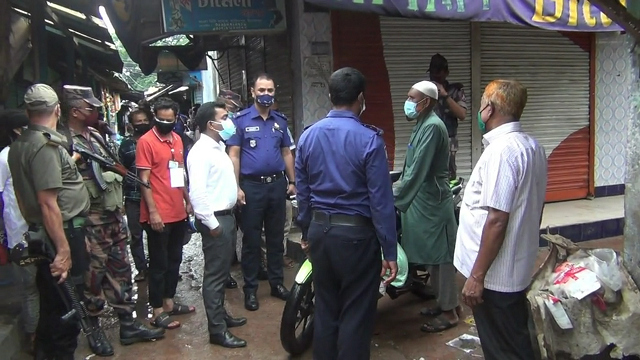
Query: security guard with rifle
pixel 109 267
pixel 54 202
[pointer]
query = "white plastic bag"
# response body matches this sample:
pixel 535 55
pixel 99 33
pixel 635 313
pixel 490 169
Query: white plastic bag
pixel 604 262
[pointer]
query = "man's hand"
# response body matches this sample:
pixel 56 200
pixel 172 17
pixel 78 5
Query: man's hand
pixel 156 221
pixel 441 90
pixel 189 208
pixel 216 232
pixel 76 157
pixel 472 291
pixel 241 198
pixel 304 244
pixel 392 267
pixel 291 190
pixel 61 265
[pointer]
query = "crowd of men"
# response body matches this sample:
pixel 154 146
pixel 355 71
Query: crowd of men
pixel 233 169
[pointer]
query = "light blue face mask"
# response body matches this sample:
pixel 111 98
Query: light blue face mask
pixel 228 129
pixel 410 109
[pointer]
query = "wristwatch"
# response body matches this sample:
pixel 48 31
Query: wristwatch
pixel 292 182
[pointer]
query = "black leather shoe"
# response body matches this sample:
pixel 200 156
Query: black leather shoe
pixel 235 322
pixel 280 292
pixel 231 283
pixel 98 342
pixel 133 331
pixel 251 301
pixel 227 339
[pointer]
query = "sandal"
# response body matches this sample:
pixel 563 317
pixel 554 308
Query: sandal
pixel 438 324
pixel 164 321
pixel 435 311
pixel 179 309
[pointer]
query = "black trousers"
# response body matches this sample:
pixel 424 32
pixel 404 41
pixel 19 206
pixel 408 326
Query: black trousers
pixel 218 255
pixel 56 339
pixel 132 208
pixel 165 256
pixel 265 204
pixel 502 320
pixel 346 275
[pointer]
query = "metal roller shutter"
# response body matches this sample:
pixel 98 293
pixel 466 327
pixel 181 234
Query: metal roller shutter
pixel 556 72
pixel 255 56
pixel 222 65
pixel 408 47
pixel 236 67
pixel 278 66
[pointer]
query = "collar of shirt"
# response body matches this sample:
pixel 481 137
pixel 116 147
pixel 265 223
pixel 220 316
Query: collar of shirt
pixel 500 131
pixel 254 114
pixel 342 114
pixel 209 141
pixel 46 129
pixel 173 136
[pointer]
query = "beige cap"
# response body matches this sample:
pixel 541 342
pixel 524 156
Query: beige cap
pixel 40 97
pixel 428 88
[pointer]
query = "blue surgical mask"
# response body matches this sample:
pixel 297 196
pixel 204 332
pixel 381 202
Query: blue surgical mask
pixel 410 109
pixel 228 129
pixel 265 100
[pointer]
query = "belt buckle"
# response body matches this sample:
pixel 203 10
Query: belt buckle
pixel 269 179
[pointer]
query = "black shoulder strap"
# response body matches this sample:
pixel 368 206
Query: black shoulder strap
pixel 104 145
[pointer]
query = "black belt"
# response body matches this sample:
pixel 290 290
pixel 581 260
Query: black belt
pixel 223 212
pixel 340 219
pixel 264 179
pixel 73 223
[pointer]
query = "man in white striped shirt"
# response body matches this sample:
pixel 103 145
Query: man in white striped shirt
pixel 213 192
pixel 498 235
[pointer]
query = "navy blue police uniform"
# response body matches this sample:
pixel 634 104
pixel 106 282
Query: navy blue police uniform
pixel 346 212
pixel 263 180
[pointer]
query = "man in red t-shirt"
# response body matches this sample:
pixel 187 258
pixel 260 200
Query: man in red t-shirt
pixel 160 161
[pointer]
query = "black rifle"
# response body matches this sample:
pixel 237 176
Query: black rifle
pixel 36 247
pixel 108 164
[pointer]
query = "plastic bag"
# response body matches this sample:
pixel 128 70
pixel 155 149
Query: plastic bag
pixel 403 269
pixel 604 262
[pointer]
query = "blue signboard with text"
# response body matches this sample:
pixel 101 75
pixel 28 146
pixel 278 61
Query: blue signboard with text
pixel 223 16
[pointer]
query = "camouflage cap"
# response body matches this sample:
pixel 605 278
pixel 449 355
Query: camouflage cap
pixel 74 92
pixel 40 97
pixel 230 97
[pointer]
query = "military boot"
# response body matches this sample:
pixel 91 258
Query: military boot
pixel 133 331
pixel 97 339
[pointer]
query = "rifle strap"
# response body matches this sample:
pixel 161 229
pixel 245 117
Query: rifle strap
pixel 104 146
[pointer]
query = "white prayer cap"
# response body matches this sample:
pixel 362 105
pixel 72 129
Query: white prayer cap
pixel 428 88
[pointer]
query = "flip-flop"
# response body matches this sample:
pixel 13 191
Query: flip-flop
pixel 435 311
pixel 164 321
pixel 436 325
pixel 179 309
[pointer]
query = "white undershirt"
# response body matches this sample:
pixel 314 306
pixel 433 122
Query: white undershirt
pixel 510 176
pixel 212 180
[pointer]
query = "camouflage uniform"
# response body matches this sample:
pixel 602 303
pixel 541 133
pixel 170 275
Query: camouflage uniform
pixel 109 275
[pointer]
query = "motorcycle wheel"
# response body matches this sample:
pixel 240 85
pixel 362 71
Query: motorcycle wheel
pixel 298 312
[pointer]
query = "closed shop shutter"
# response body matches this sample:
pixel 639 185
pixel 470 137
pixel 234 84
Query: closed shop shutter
pixel 555 69
pixel 408 47
pixel 236 67
pixel 278 66
pixel 222 65
pixel 255 55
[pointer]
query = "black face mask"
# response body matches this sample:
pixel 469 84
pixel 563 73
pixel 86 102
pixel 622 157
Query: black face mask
pixel 164 127
pixel 141 129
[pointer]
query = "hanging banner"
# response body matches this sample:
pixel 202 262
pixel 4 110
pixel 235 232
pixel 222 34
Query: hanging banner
pixel 559 15
pixel 223 16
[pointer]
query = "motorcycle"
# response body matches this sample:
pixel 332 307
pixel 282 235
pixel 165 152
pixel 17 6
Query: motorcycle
pixel 299 309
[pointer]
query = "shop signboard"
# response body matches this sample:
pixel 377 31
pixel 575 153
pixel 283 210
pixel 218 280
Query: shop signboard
pixel 559 15
pixel 223 16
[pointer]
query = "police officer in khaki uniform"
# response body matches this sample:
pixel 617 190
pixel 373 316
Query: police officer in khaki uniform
pixel 51 195
pixel 109 275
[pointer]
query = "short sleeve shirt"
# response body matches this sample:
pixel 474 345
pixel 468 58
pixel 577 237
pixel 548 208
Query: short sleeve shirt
pixel 261 141
pixel 36 168
pixel 456 92
pixel 154 153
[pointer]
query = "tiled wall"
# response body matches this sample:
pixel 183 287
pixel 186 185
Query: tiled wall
pixel 613 110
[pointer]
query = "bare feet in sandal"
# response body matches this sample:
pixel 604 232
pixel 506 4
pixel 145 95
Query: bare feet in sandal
pixel 444 321
pixel 164 321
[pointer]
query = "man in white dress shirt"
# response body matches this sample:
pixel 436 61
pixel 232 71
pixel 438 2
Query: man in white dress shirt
pixel 213 191
pixel 498 235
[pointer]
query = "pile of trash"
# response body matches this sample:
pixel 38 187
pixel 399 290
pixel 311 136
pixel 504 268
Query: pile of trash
pixel 582 300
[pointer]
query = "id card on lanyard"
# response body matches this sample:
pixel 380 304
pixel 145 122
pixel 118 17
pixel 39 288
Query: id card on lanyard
pixel 176 173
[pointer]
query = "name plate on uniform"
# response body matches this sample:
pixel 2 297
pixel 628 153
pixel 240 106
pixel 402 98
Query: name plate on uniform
pixel 252 129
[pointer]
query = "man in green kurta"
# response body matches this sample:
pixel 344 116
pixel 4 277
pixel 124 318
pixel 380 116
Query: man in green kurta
pixel 424 198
